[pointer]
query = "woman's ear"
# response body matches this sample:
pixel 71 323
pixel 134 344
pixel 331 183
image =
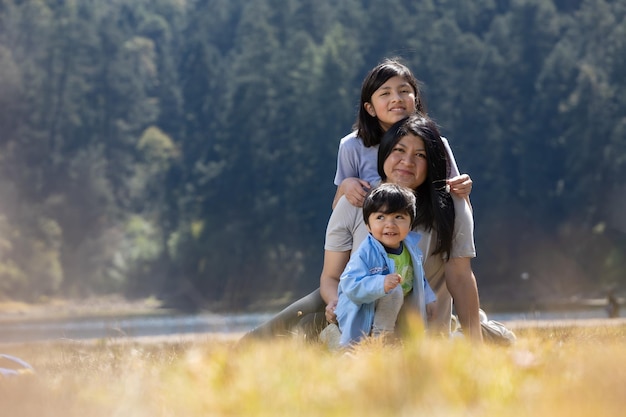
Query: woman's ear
pixel 369 109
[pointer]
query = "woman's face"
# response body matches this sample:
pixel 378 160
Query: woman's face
pixel 406 164
pixel 394 100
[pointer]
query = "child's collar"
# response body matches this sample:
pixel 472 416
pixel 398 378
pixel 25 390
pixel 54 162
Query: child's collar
pixel 396 251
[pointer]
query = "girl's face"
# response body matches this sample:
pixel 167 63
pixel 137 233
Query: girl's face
pixel 406 164
pixel 394 100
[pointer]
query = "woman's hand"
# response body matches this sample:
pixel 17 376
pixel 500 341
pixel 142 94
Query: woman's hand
pixel 331 317
pixel 461 185
pixel 430 311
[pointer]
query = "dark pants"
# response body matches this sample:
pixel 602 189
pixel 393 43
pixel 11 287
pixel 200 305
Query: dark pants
pixel 305 316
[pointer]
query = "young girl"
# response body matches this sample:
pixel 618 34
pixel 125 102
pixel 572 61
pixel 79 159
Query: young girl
pixel 389 93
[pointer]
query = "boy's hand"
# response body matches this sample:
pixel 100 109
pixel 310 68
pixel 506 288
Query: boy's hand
pixel 355 190
pixel 392 281
pixel 461 185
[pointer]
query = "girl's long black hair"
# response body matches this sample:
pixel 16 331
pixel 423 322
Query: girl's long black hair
pixel 367 126
pixel 435 208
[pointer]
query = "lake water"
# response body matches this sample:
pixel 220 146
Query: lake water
pixel 132 326
pixel 139 326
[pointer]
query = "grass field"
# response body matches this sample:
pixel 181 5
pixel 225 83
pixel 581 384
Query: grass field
pixel 551 371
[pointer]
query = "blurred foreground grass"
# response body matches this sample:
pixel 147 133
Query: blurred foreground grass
pixel 573 371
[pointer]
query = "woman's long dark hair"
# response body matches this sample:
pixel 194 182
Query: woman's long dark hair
pixel 435 209
pixel 367 126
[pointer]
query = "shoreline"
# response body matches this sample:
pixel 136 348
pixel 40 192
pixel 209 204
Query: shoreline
pixel 113 307
pixel 563 323
pixel 117 305
pixel 167 339
pixel 233 337
pixel 90 307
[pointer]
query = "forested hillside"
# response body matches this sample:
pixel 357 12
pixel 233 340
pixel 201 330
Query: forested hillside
pixel 186 148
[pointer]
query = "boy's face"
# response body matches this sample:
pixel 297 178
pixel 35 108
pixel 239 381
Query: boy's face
pixel 389 229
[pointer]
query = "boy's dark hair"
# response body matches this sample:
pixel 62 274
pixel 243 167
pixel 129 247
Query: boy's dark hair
pixel 367 126
pixel 389 198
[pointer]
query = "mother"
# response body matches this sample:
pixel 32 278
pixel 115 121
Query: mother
pixel 444 220
pixel 412 154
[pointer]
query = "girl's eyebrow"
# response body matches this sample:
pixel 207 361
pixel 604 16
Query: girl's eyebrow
pixel 405 84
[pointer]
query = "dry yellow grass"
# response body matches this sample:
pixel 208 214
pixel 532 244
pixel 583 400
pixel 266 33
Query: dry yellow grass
pixel 570 371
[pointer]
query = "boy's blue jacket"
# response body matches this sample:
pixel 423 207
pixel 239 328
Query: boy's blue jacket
pixel 363 282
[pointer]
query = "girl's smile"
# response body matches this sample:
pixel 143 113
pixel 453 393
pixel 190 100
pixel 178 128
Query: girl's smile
pixel 393 100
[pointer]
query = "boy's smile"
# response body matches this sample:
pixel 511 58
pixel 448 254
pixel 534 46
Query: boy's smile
pixel 389 228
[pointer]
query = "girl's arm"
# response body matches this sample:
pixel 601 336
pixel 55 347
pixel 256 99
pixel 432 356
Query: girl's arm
pixel 351 177
pixel 354 189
